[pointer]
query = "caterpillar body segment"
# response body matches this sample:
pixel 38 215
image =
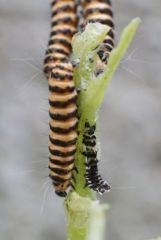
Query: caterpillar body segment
pixel 93 179
pixel 100 11
pixel 63 27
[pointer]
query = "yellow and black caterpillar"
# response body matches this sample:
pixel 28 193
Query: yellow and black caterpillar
pixel 63 96
pixel 100 11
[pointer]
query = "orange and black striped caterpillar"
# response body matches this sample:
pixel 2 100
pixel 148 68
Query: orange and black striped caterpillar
pixel 93 179
pixel 63 96
pixel 100 11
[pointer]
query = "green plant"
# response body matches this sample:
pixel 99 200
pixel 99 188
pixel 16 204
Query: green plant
pixel 85 215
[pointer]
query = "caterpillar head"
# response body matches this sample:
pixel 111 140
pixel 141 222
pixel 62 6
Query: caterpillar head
pixel 104 188
pixel 61 193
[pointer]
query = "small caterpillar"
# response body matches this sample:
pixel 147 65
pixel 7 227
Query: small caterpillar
pixel 100 11
pixel 63 96
pixel 93 179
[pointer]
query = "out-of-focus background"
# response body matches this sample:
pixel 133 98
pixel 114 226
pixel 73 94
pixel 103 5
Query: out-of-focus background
pixel 130 127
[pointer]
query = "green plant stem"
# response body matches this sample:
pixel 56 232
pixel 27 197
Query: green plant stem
pixel 78 211
pixel 85 215
pixel 85 218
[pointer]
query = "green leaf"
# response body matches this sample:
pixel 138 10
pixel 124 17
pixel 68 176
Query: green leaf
pixel 92 97
pixel 84 51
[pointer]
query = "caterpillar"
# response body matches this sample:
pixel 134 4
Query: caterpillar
pixel 93 179
pixel 62 96
pixel 100 11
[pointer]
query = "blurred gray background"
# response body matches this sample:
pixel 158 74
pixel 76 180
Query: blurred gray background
pixel 130 127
